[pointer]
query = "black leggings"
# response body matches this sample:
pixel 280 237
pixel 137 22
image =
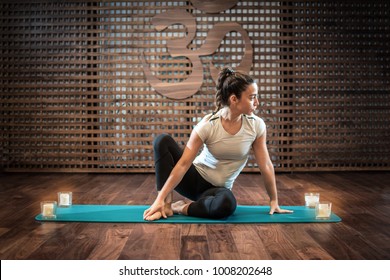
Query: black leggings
pixel 208 201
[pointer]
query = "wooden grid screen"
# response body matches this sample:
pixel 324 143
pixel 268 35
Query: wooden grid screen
pixel 75 97
pixel 341 91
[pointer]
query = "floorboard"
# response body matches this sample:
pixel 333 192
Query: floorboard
pixel 361 199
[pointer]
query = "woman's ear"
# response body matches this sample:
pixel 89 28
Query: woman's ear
pixel 233 99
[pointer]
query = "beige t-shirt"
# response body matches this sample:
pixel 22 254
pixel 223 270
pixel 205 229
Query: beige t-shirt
pixel 224 155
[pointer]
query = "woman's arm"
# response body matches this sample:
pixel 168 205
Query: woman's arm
pixel 267 170
pixel 190 152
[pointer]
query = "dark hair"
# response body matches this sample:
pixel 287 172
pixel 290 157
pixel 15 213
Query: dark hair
pixel 230 82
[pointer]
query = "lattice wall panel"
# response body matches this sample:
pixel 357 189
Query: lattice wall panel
pixel 74 96
pixel 341 85
pixel 46 85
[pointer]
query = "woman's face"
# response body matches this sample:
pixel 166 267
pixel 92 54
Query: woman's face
pixel 248 102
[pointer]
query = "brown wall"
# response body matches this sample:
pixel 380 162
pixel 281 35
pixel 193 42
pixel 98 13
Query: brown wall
pixel 75 95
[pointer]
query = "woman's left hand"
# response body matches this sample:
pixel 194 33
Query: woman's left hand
pixel 276 209
pixel 156 211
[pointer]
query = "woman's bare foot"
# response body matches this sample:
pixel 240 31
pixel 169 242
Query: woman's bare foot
pixel 180 207
pixel 168 209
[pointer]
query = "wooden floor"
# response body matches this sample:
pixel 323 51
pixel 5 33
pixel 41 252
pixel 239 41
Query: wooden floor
pixel 361 199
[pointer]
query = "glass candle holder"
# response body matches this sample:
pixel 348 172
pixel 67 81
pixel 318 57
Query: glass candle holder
pixel 311 199
pixel 49 209
pixel 323 210
pixel 64 199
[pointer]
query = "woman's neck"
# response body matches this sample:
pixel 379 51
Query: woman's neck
pixel 230 116
pixel 231 122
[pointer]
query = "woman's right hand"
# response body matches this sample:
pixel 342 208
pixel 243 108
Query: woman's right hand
pixel 155 211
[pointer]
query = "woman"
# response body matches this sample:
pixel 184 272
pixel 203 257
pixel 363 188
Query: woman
pixel 226 136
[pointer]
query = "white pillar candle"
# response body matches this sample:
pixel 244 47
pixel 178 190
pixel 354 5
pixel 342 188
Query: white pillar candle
pixel 323 210
pixel 311 199
pixel 64 199
pixel 48 209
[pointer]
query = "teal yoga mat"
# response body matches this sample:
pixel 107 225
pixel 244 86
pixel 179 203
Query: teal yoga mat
pixel 133 214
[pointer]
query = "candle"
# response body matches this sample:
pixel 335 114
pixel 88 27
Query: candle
pixel 311 199
pixel 48 209
pixel 323 210
pixel 64 199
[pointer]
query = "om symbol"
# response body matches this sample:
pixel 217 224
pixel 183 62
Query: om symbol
pixel 179 48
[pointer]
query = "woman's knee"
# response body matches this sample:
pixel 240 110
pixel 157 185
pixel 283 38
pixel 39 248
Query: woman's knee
pixel 224 205
pixel 161 140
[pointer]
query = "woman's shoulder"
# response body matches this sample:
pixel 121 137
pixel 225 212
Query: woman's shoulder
pixel 206 126
pixel 210 118
pixel 254 118
pixel 256 123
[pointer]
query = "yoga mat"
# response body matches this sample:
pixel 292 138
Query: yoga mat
pixel 133 214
